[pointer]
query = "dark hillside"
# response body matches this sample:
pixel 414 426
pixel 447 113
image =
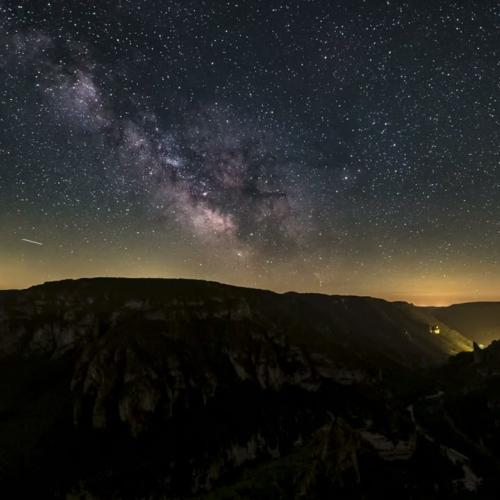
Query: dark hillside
pixel 120 388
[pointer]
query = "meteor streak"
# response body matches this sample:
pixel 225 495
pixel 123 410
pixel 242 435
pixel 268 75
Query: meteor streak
pixel 32 242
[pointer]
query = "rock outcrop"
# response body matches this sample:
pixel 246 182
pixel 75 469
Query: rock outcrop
pixel 173 388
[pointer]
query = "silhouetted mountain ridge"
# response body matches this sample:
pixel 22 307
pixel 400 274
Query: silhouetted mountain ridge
pixel 119 388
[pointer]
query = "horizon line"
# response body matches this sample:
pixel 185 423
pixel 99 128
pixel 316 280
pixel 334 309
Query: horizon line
pixel 390 297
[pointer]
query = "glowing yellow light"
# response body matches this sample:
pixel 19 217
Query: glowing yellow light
pixel 435 329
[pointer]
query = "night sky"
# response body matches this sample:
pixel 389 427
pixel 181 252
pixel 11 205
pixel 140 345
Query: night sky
pixel 333 146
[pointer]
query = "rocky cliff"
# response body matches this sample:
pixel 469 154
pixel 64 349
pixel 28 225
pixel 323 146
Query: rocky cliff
pixel 115 388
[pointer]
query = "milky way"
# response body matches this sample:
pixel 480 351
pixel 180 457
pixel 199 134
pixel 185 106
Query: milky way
pixel 342 147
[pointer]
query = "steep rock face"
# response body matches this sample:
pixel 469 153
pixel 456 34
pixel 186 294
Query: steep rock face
pixel 133 388
pixel 57 315
pixel 450 450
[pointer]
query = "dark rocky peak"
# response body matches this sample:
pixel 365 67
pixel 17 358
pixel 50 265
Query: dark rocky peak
pixel 184 384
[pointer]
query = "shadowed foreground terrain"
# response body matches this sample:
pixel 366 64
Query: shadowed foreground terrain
pixel 125 389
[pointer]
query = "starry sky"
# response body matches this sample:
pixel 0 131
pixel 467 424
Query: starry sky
pixel 346 147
